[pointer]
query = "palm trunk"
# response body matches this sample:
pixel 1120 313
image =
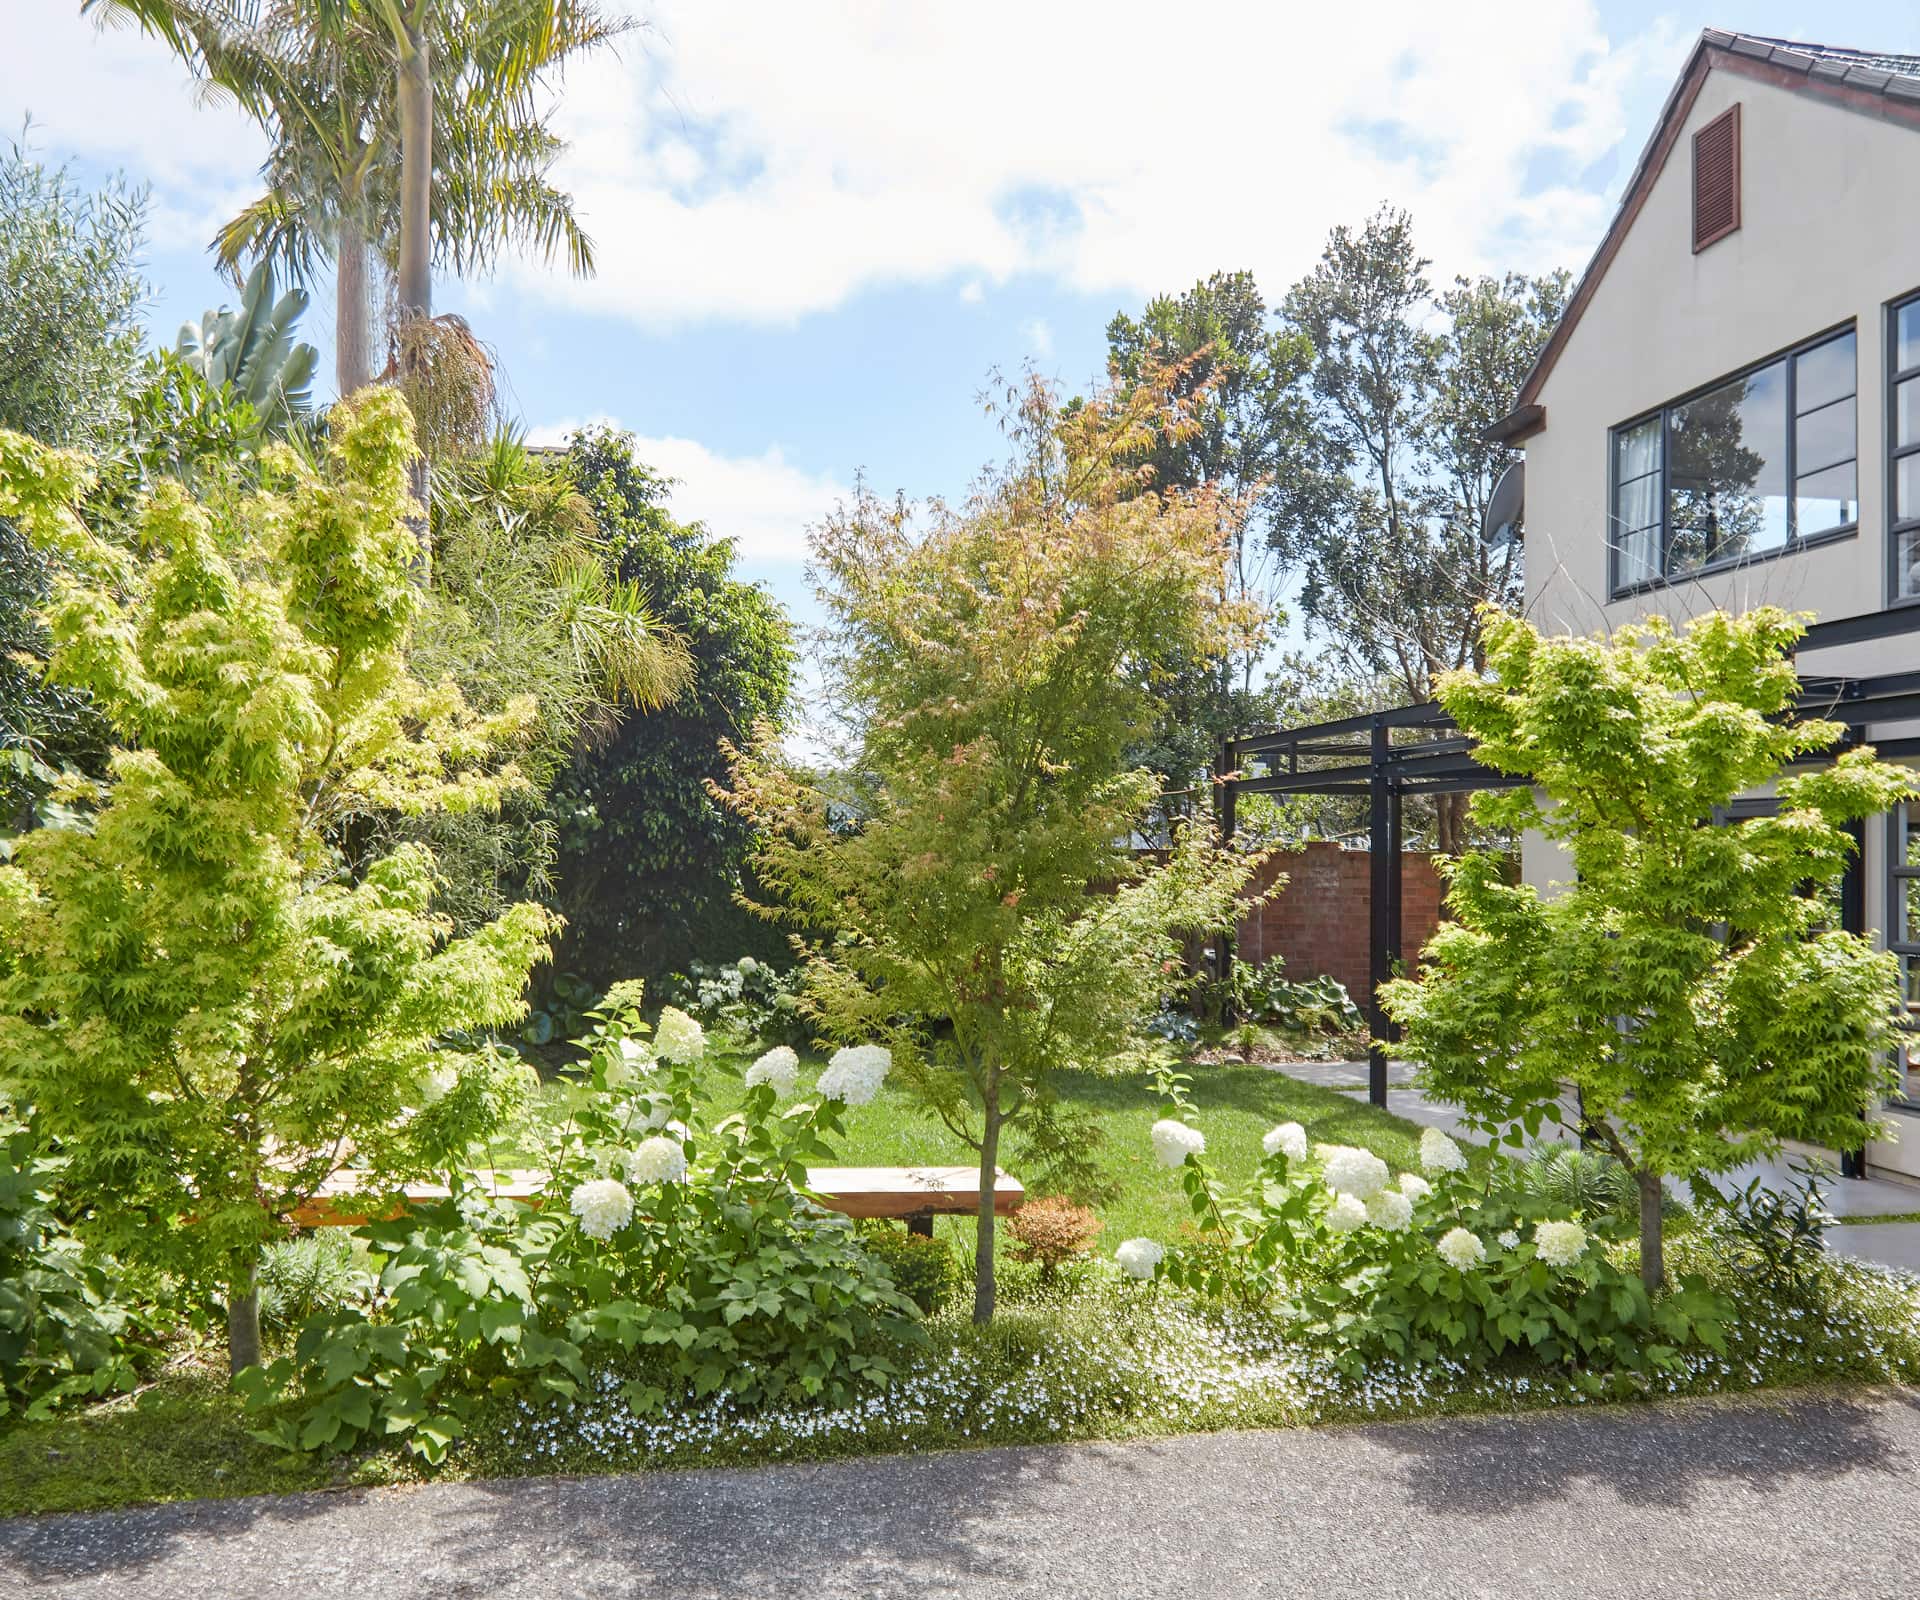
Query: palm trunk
pixel 983 1236
pixel 1653 1261
pixel 352 311
pixel 415 285
pixel 243 1322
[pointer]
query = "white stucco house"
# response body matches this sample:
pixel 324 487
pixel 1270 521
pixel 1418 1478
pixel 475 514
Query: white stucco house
pixel 1729 413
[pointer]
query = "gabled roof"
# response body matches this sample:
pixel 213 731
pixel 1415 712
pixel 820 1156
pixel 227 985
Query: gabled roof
pixel 1868 81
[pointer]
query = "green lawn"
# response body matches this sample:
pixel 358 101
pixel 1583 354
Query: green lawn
pixel 1237 1105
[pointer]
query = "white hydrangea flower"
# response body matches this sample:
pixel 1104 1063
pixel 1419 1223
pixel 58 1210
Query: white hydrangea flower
pixel 1459 1248
pixel 438 1084
pixel 1351 1170
pixel 1391 1210
pixel 1289 1139
pixel 1346 1213
pixel 1414 1187
pixel 1438 1153
pixel 855 1073
pixel 659 1110
pixel 603 1206
pixel 747 965
pixel 779 1067
pixel 659 1159
pixel 1509 1240
pixel 1559 1244
pixel 678 1038
pixel 1174 1141
pixel 628 1062
pixel 1140 1258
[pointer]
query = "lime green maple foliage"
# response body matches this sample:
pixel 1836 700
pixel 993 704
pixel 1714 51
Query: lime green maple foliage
pixel 1688 981
pixel 990 919
pixel 198 1000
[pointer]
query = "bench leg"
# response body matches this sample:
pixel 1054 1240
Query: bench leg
pixel 921 1222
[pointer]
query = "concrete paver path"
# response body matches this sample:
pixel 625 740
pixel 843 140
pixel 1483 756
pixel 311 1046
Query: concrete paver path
pixel 1798 1496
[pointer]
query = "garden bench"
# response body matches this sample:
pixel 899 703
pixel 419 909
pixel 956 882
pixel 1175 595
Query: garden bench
pixel 912 1195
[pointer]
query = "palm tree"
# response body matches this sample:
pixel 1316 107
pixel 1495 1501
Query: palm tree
pixel 410 129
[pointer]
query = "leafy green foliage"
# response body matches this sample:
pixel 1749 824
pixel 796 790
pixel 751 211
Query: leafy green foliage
pixel 1264 993
pixel 64 1332
pixel 307 1274
pixel 990 923
pixel 729 1280
pixel 752 1001
pixel 1777 1238
pixel 1685 981
pixel 924 1270
pixel 649 861
pixel 197 1000
pixel 254 351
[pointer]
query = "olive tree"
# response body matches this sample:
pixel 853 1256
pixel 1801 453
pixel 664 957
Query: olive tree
pixel 1688 980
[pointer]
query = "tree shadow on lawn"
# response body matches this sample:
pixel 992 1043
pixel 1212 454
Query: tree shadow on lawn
pixel 1654 1457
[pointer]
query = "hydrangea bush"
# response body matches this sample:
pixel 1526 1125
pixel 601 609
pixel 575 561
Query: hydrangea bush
pixel 686 1257
pixel 1431 1266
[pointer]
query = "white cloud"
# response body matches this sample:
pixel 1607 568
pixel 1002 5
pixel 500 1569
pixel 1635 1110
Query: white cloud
pixel 763 502
pixel 1039 337
pixel 763 160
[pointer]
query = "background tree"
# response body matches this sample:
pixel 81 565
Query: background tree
pixel 397 128
pixel 196 1000
pixel 1240 379
pixel 1684 982
pixel 70 294
pixel 998 669
pixel 649 862
pixel 1387 523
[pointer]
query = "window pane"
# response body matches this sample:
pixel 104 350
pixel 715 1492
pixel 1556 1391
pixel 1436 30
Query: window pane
pixel 1909 838
pixel 1639 556
pixel 1727 469
pixel 1636 450
pixel 1906 412
pixel 1906 567
pixel 1906 338
pixel 1639 503
pixel 1823 437
pixel 1826 500
pixel 1823 374
pixel 1906 488
pixel 1907 929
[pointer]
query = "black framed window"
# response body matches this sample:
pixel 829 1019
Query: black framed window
pixel 1903 916
pixel 1903 446
pixel 1745 468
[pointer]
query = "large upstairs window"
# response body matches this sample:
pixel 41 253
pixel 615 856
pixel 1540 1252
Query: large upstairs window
pixel 1751 466
pixel 1903 444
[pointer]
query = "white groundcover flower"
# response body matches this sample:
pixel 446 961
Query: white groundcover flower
pixel 1459 1248
pixel 1174 1141
pixel 1391 1210
pixel 1140 1258
pixel 657 1160
pixel 603 1206
pixel 1346 1213
pixel 1559 1244
pixel 855 1073
pixel 779 1067
pixel 1289 1139
pixel 1414 1187
pixel 1350 1170
pixel 1438 1153
pixel 678 1038
pixel 1509 1240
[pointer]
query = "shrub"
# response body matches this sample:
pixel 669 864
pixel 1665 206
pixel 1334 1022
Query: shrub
pixel 750 1000
pixel 1052 1230
pixel 303 1276
pixel 688 1255
pixel 63 1333
pixel 922 1269
pixel 1778 1240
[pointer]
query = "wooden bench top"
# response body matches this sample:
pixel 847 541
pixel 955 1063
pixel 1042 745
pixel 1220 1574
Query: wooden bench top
pixel 852 1191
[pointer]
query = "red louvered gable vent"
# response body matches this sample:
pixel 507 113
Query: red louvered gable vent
pixel 1716 179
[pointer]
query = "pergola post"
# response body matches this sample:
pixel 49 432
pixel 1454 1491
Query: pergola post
pixel 1383 904
pixel 1853 919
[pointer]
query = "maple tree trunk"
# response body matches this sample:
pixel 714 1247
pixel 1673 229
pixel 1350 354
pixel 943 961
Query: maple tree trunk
pixel 984 1226
pixel 1653 1261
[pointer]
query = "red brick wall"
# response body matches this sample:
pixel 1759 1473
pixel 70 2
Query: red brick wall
pixel 1317 921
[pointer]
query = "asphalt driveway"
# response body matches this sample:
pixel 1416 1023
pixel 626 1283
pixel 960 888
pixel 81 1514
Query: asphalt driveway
pixel 1797 1496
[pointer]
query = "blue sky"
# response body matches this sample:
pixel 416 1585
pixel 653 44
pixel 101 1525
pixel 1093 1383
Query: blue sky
pixel 821 227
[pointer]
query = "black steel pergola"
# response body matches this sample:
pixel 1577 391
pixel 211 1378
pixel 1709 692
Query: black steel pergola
pixel 1418 750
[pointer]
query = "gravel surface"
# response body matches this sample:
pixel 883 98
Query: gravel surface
pixel 1798 1496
